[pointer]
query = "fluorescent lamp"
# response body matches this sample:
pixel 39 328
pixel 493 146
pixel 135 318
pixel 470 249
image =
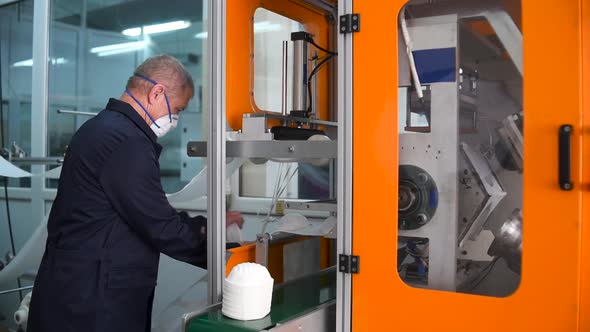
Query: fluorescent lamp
pixel 171 26
pixel 259 27
pixel 133 32
pixel 57 61
pixel 113 49
pixel 24 63
pixel 201 35
pixel 29 62
pixel 156 28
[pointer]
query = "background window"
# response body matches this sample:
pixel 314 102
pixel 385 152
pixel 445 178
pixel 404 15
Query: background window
pixel 94 50
pixel 16 63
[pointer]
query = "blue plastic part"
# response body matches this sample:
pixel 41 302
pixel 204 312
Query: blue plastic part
pixel 421 268
pixel 436 65
pixel 433 199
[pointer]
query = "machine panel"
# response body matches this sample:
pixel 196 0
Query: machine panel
pixel 543 299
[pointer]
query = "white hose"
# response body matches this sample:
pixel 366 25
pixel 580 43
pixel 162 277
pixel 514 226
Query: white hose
pixel 408 42
pixel 22 314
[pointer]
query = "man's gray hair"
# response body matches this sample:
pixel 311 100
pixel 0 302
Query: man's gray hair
pixel 163 69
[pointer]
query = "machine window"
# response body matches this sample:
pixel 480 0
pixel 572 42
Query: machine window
pixel 272 62
pixel 460 148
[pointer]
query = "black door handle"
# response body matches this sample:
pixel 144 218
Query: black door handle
pixel 565 152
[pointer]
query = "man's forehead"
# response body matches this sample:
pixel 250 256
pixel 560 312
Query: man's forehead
pixel 189 93
pixel 185 100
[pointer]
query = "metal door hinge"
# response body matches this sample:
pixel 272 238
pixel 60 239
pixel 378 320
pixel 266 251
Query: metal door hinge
pixel 350 23
pixel 349 264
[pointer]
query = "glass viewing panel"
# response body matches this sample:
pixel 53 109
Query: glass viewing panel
pixel 460 151
pixel 270 31
pixel 93 53
pixel 16 66
pixel 272 179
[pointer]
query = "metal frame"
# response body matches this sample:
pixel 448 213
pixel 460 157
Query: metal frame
pixel 8 291
pixel 509 35
pixel 444 115
pixel 491 188
pixel 291 119
pixel 441 230
pixel 293 150
pixel 344 170
pixel 186 318
pixel 264 241
pixel 39 102
pixel 82 47
pixel 216 148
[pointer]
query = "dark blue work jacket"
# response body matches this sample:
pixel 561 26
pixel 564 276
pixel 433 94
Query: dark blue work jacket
pixel 107 227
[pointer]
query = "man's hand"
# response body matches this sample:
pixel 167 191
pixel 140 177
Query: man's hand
pixel 234 217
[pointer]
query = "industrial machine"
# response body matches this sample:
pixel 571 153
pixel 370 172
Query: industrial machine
pixel 415 165
pixel 436 133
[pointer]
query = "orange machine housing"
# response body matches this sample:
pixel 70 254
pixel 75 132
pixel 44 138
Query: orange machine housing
pixel 585 185
pixel 549 297
pixel 275 257
pixel 239 57
pixel 554 294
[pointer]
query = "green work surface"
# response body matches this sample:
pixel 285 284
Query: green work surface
pixel 290 300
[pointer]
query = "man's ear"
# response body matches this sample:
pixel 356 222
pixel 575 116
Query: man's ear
pixel 156 92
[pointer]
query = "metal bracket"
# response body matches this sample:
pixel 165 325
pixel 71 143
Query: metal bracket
pixel 349 264
pixel 350 23
pixel 300 150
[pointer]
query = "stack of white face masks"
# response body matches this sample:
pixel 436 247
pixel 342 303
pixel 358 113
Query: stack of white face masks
pixel 247 292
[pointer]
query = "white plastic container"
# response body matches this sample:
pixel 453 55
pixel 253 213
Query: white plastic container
pixel 247 292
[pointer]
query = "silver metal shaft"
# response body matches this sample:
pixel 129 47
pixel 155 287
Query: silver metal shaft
pixel 15 290
pixel 300 73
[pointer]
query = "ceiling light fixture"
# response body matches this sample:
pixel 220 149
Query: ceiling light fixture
pixel 156 28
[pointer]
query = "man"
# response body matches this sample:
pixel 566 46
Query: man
pixel 111 219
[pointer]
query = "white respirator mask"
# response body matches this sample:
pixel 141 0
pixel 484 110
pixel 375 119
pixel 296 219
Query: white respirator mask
pixel 164 124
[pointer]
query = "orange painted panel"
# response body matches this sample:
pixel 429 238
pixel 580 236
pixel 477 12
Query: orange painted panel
pixel 239 41
pixel 585 257
pixel 515 10
pixel 548 298
pixel 239 255
pixel 247 253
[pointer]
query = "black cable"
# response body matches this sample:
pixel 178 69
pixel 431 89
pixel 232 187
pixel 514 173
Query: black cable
pixel 321 48
pixel 12 246
pixel 313 72
pixel 8 216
